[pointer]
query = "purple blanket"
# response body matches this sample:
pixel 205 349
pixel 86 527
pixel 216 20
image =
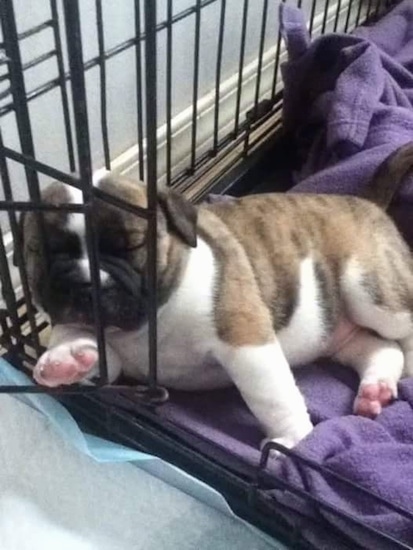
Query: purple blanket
pixel 348 104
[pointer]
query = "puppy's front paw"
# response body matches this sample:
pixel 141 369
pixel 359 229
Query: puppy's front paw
pixel 66 364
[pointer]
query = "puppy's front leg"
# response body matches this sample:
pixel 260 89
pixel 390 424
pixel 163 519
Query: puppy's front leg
pixel 72 356
pixel 264 378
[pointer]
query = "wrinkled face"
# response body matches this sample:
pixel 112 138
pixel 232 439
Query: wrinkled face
pixel 61 279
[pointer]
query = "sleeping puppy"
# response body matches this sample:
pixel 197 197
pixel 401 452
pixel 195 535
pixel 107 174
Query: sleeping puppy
pixel 247 289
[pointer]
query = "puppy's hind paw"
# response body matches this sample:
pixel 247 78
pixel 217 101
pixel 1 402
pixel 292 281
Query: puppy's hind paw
pixel 372 397
pixel 288 441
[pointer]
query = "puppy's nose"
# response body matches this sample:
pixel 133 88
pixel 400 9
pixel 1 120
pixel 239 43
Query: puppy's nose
pixel 76 273
pixel 67 271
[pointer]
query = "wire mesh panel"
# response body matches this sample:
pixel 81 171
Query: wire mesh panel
pixel 22 324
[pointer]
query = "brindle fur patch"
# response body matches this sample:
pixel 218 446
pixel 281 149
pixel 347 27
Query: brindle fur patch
pixel 259 242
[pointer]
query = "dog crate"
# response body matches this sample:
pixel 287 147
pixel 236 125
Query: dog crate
pixel 185 94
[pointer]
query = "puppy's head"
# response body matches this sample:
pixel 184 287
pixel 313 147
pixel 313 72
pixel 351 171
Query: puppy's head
pixel 57 263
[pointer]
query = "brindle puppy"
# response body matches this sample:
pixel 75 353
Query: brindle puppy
pixel 247 289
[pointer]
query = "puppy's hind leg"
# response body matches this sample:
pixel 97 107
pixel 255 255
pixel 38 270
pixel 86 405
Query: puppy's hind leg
pixel 407 346
pixel 246 345
pixel 265 381
pixel 383 301
pixel 379 364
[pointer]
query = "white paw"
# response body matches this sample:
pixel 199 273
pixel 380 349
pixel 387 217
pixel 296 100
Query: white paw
pixel 66 364
pixel 373 396
pixel 291 438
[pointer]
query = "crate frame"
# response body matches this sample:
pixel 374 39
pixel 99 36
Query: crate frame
pixel 123 413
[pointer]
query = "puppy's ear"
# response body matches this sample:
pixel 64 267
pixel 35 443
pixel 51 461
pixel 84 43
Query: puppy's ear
pixel 20 239
pixel 181 216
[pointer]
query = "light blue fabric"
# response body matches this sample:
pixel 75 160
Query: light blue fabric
pixel 103 451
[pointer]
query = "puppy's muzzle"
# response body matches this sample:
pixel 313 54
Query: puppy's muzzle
pixel 66 273
pixel 124 275
pixel 69 297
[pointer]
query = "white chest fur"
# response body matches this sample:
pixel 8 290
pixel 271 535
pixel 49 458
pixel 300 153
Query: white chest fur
pixel 185 332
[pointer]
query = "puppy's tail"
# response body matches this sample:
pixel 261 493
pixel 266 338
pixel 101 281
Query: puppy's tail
pixel 389 176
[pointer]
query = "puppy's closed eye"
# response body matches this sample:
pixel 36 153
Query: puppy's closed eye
pixel 115 242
